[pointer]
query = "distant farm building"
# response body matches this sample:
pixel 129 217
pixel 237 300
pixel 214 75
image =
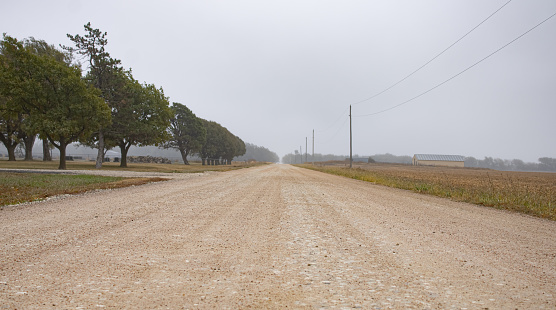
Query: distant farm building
pixel 438 160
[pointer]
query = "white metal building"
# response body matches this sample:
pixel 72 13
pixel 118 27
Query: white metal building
pixel 438 160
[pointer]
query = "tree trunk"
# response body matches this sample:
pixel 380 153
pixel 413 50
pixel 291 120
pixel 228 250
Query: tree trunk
pixel 62 150
pixel 29 142
pixel 10 146
pixel 46 151
pixel 11 152
pixel 183 153
pixel 100 154
pixel 124 149
pixel 203 161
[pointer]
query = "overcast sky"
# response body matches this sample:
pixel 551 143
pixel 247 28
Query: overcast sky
pixel 272 71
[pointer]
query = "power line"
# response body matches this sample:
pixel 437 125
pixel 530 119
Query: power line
pixel 461 72
pixel 418 69
pixel 334 123
pixel 438 55
pixel 338 131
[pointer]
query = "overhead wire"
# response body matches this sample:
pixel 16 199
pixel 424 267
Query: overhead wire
pixel 334 123
pixel 461 72
pixel 435 57
pixel 418 69
pixel 336 133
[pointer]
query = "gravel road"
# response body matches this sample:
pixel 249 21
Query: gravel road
pixel 274 237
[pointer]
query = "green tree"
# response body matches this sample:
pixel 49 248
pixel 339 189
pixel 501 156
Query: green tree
pixel 209 151
pixel 141 118
pixel 187 132
pixel 104 74
pixel 233 147
pixel 60 105
pixel 42 48
pixel 10 124
pixel 221 146
pixel 12 114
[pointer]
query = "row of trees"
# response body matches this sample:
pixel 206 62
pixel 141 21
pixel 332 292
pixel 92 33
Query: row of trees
pixel 43 92
pixel 296 157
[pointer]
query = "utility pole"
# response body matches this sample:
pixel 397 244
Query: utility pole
pixel 305 149
pixel 313 157
pixel 350 140
pixel 300 155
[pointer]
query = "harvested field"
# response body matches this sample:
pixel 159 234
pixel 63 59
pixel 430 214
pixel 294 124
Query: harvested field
pixel 532 193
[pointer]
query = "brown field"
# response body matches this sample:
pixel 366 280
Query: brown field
pixel 532 193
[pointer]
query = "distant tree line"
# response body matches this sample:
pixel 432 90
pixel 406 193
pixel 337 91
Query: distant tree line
pixel 545 164
pixel 258 153
pixel 44 93
pixel 296 157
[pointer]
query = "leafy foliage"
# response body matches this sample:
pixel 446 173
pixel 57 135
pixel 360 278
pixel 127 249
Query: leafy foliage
pixel 56 102
pixel 187 131
pixel 221 145
pixel 141 117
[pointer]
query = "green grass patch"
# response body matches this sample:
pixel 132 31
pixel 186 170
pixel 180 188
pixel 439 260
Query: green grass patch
pixel 529 193
pixel 24 187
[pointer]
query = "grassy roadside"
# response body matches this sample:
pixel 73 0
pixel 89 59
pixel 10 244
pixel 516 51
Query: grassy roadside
pixel 529 193
pixel 24 187
pixel 195 167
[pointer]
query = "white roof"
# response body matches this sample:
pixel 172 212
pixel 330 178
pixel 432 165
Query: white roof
pixel 439 157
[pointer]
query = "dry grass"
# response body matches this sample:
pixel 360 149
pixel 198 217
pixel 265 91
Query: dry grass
pixel 532 193
pixel 24 187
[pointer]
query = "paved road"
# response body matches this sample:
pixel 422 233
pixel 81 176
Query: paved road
pixel 272 237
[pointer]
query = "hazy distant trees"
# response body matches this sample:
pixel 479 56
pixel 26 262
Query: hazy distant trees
pixel 545 164
pixel 188 134
pixel 258 153
pixel 395 159
pixel 380 158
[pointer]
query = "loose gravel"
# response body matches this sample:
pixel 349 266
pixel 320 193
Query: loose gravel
pixel 271 237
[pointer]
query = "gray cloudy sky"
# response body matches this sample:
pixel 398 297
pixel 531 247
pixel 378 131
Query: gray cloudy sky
pixel 272 71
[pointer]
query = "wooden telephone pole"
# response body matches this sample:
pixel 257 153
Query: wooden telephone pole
pixel 350 140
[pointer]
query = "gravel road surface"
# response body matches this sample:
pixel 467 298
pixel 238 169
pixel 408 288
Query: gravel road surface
pixel 273 237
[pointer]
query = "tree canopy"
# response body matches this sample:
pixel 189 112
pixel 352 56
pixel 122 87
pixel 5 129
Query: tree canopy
pixel 56 102
pixel 187 132
pixel 141 117
pixel 221 145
